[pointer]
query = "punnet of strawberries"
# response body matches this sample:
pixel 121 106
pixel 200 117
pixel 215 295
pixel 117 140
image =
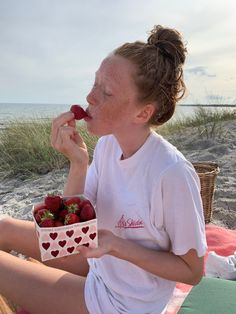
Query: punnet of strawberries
pixel 57 211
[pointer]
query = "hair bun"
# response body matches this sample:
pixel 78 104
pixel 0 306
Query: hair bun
pixel 169 42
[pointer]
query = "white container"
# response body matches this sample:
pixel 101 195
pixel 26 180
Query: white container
pixel 55 242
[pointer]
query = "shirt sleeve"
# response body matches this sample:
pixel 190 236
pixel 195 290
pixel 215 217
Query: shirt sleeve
pixel 182 209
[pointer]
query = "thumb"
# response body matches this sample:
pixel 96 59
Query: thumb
pixel 90 252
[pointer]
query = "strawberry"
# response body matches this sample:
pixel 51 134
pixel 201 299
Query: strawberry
pixel 58 223
pixel 38 207
pixel 73 209
pixel 87 212
pixel 73 204
pixel 62 214
pixel 85 202
pixel 43 214
pixel 47 223
pixel 79 112
pixel 53 202
pixel 72 200
pixel 71 219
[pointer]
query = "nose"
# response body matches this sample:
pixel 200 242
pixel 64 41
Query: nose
pixel 90 97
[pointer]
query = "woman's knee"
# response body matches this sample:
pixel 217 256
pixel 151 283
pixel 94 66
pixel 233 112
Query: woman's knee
pixel 6 223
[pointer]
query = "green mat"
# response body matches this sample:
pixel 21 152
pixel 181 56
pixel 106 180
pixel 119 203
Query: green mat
pixel 211 296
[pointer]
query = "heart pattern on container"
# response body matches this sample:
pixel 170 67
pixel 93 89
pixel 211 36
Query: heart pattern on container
pixel 53 235
pixel 67 238
pixel 69 233
pixel 92 235
pixel 85 229
pixel 55 253
pixel 62 243
pixel 45 245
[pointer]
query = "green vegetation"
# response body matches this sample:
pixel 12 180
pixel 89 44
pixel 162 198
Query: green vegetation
pixel 207 122
pixel 25 148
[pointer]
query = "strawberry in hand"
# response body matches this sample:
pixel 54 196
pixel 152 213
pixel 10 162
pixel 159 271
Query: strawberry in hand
pixel 79 112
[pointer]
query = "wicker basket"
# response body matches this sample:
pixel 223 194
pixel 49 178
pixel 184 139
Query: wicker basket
pixel 207 172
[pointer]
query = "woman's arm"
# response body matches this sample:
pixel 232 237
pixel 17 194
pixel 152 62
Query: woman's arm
pixel 66 139
pixel 187 268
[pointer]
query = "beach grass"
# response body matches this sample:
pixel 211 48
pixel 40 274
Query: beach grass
pixel 25 148
pixel 207 122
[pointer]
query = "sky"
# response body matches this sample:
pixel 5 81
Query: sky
pixel 50 49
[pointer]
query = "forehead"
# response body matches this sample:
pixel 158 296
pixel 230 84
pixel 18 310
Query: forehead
pixel 116 69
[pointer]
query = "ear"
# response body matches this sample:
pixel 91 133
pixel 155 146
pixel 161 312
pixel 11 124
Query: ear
pixel 145 113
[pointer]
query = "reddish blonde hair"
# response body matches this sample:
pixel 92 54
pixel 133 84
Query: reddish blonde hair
pixel 159 64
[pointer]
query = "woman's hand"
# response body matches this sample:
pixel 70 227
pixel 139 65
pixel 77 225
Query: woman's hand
pixel 106 244
pixel 66 139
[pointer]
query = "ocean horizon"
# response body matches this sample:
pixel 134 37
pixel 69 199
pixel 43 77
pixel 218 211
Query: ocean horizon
pixel 28 111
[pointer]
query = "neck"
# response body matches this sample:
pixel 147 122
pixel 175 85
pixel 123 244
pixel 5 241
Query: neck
pixel 131 143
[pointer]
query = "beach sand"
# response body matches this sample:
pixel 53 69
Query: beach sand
pixel 197 144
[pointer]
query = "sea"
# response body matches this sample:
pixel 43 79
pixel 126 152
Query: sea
pixel 29 111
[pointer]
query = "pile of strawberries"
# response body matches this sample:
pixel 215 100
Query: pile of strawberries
pixel 57 211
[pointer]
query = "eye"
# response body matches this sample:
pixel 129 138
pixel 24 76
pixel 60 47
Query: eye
pixel 107 93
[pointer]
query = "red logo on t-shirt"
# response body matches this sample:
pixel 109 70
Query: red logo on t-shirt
pixel 129 223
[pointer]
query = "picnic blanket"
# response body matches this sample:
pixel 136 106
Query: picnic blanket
pixel 220 240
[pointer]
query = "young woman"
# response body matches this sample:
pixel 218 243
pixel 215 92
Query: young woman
pixel 147 196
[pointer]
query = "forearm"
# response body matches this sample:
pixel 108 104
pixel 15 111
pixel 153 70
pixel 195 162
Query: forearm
pixel 163 264
pixel 75 180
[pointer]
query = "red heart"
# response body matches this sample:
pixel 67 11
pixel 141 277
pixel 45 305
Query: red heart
pixel 70 249
pixel 62 243
pixel 77 240
pixel 70 233
pixel 92 235
pixel 45 245
pixel 55 253
pixel 53 235
pixel 86 244
pixel 85 229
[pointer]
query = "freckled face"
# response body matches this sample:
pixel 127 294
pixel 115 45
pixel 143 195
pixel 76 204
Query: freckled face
pixel 113 98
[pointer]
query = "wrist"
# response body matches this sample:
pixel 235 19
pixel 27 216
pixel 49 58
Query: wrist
pixel 118 246
pixel 78 166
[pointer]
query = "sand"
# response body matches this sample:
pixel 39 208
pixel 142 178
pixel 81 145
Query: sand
pixel 208 143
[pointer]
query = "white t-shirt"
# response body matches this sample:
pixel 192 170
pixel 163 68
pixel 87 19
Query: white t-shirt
pixel 152 198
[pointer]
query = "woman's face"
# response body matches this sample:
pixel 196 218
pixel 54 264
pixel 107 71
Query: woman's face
pixel 113 98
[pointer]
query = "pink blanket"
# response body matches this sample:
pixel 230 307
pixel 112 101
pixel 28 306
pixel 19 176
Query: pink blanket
pixel 220 240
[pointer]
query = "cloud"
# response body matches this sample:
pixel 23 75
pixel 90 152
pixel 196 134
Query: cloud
pixel 200 70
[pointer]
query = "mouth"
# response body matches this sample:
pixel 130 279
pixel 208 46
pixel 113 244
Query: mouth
pixel 89 117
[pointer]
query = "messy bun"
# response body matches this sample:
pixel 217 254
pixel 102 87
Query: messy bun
pixel 159 76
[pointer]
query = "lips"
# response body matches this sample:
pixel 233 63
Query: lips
pixel 89 117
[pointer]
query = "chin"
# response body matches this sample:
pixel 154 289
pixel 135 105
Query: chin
pixel 96 130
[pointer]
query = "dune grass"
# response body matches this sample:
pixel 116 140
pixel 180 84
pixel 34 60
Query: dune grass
pixel 207 122
pixel 25 148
